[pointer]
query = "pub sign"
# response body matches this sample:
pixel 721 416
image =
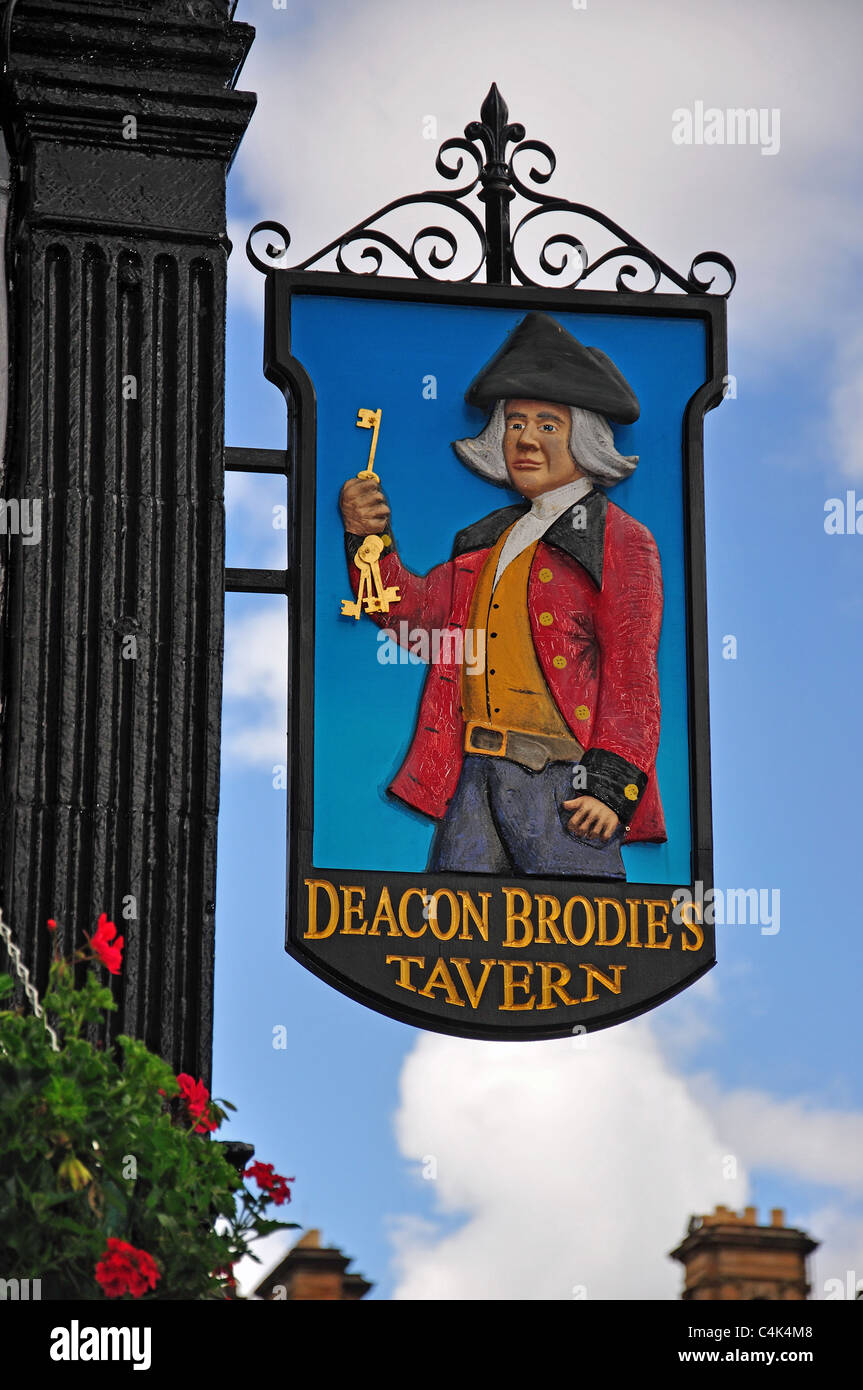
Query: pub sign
pixel 499 793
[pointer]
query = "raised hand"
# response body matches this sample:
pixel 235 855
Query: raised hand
pixel 365 510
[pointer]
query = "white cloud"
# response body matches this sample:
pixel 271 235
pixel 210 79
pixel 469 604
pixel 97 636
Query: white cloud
pixel 255 688
pixel 796 1137
pixel 568 1167
pixel 563 1168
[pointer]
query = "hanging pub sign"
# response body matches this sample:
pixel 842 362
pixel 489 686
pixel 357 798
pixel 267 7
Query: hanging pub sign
pixel 499 787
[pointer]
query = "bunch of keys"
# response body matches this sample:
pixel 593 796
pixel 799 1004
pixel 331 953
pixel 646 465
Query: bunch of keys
pixel 371 594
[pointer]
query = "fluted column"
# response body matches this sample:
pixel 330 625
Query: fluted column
pixel 124 124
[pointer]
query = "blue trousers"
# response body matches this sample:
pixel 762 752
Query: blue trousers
pixel 505 818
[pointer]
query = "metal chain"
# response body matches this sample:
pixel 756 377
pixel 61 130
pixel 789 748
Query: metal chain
pixel 24 976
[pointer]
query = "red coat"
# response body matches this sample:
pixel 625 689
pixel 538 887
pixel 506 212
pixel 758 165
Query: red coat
pixel 605 601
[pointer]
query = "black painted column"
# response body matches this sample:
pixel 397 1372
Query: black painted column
pixel 123 122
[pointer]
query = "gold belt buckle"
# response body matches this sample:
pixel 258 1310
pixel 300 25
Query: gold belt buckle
pixel 475 727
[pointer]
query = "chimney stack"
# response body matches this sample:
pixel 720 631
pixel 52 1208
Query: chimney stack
pixel 727 1256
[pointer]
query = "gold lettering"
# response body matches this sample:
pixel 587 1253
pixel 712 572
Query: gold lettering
pixel 633 904
pixel 468 908
pixel 589 922
pixel 602 905
pixel 311 932
pixel 454 919
pixel 512 917
pixel 547 913
pixel 594 974
pixel 510 985
pixel 404 964
pixel 386 914
pixel 403 911
pixel 440 978
pixel 690 921
pixel 550 986
pixel 353 909
pixel 653 921
pixel 474 994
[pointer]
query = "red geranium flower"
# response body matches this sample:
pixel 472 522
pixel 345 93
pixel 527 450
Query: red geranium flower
pixel 52 925
pixel 270 1182
pixel 197 1100
pixel 109 951
pixel 123 1269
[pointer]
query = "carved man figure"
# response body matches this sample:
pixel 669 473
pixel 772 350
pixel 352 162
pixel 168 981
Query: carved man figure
pixel 543 761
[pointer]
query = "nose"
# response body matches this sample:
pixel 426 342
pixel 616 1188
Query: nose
pixel 529 436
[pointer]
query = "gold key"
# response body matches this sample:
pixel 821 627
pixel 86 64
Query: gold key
pixel 370 420
pixel 371 592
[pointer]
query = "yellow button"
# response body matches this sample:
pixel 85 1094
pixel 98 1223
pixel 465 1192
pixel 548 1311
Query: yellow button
pixel 545 576
pixel 582 712
pixel 631 792
pixel 387 540
pixel 546 619
pixel 559 662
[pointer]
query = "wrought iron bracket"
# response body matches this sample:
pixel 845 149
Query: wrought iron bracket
pixel 496 182
pixel 240 581
pixel 256 581
pixel 256 461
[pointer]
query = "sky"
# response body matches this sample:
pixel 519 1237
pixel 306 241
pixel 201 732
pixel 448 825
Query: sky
pixel 454 1169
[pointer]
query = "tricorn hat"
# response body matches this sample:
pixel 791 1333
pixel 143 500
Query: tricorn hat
pixel 540 361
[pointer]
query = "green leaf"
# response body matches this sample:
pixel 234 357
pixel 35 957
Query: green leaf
pixel 266 1228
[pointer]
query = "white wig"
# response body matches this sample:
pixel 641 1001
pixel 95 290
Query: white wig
pixel 591 444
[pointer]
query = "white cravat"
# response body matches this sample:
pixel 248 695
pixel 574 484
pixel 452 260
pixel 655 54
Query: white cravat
pixel 544 510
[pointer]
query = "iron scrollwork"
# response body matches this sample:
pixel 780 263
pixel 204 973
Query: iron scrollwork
pixel 435 249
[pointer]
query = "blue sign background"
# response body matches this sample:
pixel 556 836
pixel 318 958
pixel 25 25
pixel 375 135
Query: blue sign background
pixel 380 354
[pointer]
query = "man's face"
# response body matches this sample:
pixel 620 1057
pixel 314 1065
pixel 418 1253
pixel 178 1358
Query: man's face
pixel 536 446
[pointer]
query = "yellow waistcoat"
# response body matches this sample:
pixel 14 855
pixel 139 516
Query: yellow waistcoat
pixel 511 692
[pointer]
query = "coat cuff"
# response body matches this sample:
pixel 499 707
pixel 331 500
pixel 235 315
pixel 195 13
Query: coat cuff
pixel 353 543
pixel 614 781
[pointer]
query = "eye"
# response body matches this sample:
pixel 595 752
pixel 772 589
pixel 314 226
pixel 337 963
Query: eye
pixel 515 425
pixel 549 427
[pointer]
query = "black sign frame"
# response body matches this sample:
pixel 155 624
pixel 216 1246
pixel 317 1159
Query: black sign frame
pixel 290 376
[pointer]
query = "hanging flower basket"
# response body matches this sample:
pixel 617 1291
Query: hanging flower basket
pixel 110 1185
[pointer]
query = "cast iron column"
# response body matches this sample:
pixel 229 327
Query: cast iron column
pixel 123 123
